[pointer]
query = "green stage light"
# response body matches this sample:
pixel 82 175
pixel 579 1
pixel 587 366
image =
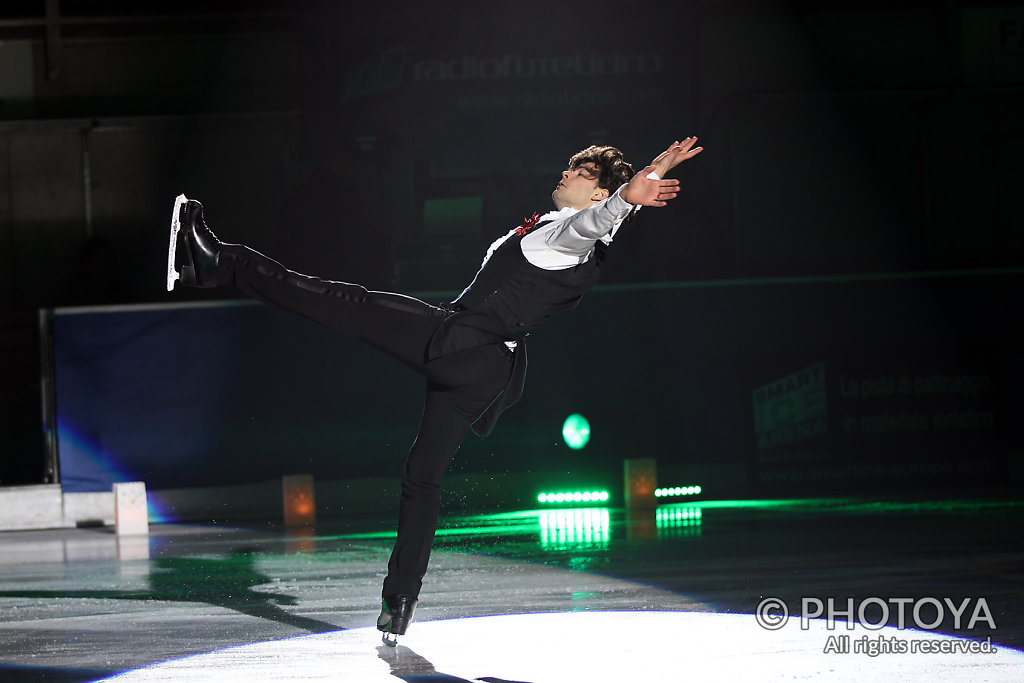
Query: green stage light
pixel 677 491
pixel 573 497
pixel 576 431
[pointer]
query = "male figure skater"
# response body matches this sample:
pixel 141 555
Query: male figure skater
pixel 471 351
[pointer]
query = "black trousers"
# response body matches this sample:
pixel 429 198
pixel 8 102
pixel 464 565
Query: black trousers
pixel 459 387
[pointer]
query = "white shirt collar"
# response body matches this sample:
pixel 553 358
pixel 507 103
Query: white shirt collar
pixel 565 212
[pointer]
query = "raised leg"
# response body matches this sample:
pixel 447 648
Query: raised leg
pixel 401 326
pixel 398 325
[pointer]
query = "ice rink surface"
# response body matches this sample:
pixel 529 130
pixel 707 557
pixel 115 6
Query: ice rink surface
pixel 680 593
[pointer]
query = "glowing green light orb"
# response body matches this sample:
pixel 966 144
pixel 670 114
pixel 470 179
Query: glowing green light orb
pixel 576 431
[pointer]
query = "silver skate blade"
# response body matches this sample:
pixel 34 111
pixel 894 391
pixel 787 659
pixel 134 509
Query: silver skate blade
pixel 172 274
pixel 390 642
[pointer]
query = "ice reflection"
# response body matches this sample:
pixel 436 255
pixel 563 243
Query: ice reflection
pixel 674 521
pixel 578 527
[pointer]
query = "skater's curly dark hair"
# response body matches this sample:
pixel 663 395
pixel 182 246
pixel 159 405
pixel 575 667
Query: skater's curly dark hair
pixel 613 169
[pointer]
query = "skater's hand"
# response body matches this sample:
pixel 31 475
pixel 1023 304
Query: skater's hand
pixel 677 153
pixel 650 192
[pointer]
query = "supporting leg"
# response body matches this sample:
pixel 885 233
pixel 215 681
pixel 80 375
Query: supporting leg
pixel 447 415
pixel 442 430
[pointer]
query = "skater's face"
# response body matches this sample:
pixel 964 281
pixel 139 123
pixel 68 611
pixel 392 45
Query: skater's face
pixel 578 187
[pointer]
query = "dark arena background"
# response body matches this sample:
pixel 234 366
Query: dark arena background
pixel 801 380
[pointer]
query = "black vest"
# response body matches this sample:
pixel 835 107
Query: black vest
pixel 506 300
pixel 519 295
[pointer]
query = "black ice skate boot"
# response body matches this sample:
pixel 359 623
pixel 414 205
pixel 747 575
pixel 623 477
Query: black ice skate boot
pixel 395 617
pixel 199 252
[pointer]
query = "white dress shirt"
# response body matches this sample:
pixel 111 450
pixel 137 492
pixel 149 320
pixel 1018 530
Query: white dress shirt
pixel 568 240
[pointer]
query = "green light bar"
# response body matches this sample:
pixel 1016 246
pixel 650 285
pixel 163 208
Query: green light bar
pixel 573 497
pixel 677 491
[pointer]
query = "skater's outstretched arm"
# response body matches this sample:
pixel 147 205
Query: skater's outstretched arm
pixel 576 235
pixel 648 191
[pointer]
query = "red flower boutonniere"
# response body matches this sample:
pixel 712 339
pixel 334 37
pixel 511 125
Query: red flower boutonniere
pixel 528 223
